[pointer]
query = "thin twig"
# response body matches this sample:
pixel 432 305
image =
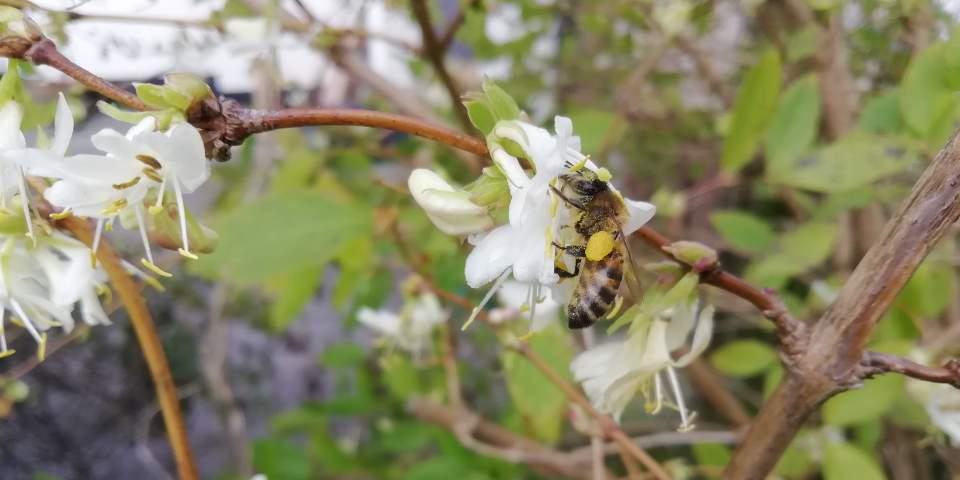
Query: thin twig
pixel 876 363
pixel 434 51
pixel 129 293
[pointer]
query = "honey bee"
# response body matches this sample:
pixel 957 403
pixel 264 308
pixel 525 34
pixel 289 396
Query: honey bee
pixel 600 262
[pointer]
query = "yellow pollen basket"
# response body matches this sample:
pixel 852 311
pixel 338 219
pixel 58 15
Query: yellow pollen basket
pixel 599 245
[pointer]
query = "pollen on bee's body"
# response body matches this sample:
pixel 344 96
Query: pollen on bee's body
pixel 599 245
pixel 149 161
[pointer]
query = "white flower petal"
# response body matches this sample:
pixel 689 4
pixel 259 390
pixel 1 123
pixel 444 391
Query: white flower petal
pixel 450 210
pixel 640 214
pixel 491 256
pixel 701 338
pixel 181 153
pixel 62 127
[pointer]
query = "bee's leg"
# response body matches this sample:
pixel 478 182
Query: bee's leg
pixel 568 201
pixel 576 251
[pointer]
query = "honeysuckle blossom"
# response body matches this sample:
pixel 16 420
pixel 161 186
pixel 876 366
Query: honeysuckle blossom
pixel 450 209
pixel 514 299
pixel 411 329
pixel 523 248
pixel 613 373
pixel 16 160
pixel 41 285
pixel 137 164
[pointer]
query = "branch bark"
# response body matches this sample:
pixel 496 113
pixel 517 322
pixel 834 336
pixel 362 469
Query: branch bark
pixel 832 361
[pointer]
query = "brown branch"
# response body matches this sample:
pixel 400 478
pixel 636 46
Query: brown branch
pixel 497 441
pixel 149 340
pixel 834 353
pixel 45 52
pixel 875 363
pixel 434 51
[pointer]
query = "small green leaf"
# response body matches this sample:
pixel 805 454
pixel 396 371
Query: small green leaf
pixel 593 127
pixel 854 161
pixel 755 103
pixel 713 454
pixel 929 291
pixel 928 86
pixel 480 115
pixel 283 232
pixel 843 461
pixel 293 292
pixel 502 105
pixel 743 231
pixel 743 358
pixel 881 114
pixel 539 402
pixel 865 404
pixel 794 126
pixel 798 251
pixel 277 458
pixel 343 355
pixel 152 95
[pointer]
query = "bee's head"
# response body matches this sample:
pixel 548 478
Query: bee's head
pixel 585 183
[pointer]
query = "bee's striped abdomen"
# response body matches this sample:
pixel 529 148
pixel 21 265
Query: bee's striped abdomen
pixel 596 290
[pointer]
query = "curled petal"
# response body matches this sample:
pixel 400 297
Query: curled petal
pixel 449 209
pixel 62 127
pixel 10 117
pixel 640 214
pixel 491 256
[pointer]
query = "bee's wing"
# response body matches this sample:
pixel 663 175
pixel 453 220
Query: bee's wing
pixel 631 274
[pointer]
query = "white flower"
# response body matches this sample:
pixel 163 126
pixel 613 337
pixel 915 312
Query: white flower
pixel 16 160
pixel 40 286
pixel 943 406
pixel 136 164
pixel 450 209
pixel 613 373
pixel 514 299
pixel 412 328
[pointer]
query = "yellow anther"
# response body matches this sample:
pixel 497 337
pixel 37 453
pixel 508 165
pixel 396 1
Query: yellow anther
pixel 604 175
pixel 149 161
pixel 187 254
pixel 152 174
pixel 66 213
pixel 115 207
pixel 579 165
pixel 16 321
pixel 127 184
pixel 154 283
pixel 155 269
pixel 600 245
pixel 105 292
pixel 527 336
pixel 7 353
pixel 42 351
pixel 473 316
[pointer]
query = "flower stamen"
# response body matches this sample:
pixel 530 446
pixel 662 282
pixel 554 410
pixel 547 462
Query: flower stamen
pixel 686 417
pixel 182 210
pixel 476 310
pixel 25 204
pixel 147 262
pixel 149 161
pixel 127 184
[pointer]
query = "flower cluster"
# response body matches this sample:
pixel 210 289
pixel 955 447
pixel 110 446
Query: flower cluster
pixel 137 175
pixel 523 252
pixel 411 329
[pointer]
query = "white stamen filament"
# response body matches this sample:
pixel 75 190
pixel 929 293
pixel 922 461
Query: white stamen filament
pixel 142 226
pixel 184 242
pixel 25 203
pixel 685 417
pixel 97 234
pixel 476 310
pixel 26 320
pixel 657 394
pixel 163 188
pixel 534 296
pixel 3 333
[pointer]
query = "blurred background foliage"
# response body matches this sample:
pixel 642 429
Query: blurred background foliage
pixel 781 132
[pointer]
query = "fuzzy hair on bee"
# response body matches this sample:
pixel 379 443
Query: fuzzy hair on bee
pixel 599 266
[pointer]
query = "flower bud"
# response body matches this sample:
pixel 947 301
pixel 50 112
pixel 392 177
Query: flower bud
pixel 451 210
pixel 17 33
pixel 700 257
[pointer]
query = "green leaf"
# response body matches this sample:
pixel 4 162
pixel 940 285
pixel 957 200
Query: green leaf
pixel 502 105
pixel 284 232
pixel 798 251
pixel 593 127
pixel 744 358
pixel 152 95
pixel 843 461
pixel 277 458
pixel 480 115
pixel 755 104
pixel 796 461
pixel 794 126
pixel 881 114
pixel 293 291
pixel 871 402
pixel 929 291
pixel 343 355
pixel 743 231
pixel 714 454
pixel 539 402
pixel 929 84
pixel 854 161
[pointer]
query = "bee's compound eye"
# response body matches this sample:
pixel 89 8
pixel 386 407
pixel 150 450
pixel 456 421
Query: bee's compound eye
pixel 599 245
